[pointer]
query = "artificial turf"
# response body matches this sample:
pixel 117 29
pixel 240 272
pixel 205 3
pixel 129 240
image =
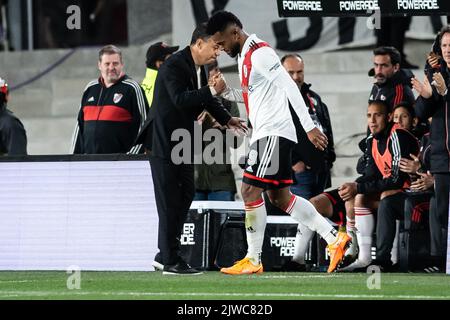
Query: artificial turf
pixel 215 286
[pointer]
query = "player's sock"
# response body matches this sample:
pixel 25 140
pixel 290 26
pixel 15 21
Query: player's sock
pixel 365 223
pixel 394 251
pixel 350 226
pixel 302 239
pixel 303 212
pixel 255 225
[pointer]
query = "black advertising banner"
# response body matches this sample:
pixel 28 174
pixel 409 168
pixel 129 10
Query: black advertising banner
pixel 342 8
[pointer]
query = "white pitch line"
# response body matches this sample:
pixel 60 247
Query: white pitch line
pixel 211 294
pixel 297 276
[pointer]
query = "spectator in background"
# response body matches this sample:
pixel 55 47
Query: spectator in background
pixel 392 84
pixel 392 33
pixel 215 182
pixel 113 109
pixel 157 53
pixel 309 183
pixel 434 102
pixel 13 138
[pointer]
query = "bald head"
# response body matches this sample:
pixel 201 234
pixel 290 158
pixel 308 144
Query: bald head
pixel 295 66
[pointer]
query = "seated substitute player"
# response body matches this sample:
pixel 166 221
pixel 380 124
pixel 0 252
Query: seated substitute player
pixel 381 186
pixel 270 96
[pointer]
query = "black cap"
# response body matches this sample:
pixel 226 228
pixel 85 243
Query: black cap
pixel 158 51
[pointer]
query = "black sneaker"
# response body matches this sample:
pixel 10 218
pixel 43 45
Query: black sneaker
pixel 157 262
pixel 293 266
pixel 181 268
pixel 384 265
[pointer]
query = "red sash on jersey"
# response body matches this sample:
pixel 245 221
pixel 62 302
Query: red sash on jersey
pixel 247 68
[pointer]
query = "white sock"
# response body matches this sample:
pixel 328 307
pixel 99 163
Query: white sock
pixel 394 251
pixel 255 226
pixel 350 226
pixel 303 211
pixel 302 239
pixel 365 223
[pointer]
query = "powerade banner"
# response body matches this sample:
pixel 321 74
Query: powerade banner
pixel 307 8
pixel 300 34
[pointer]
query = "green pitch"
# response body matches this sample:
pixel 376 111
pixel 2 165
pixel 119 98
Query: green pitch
pixel 215 286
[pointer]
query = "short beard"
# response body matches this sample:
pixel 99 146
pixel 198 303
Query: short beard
pixel 235 50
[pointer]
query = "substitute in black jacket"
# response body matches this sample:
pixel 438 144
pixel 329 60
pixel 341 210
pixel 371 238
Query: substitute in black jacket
pixel 180 96
pixel 392 84
pixel 382 180
pixel 113 109
pixel 434 101
pixel 309 182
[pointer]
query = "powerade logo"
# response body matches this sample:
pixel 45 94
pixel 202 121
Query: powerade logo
pixel 286 245
pixel 358 5
pixel 187 238
pixel 302 5
pixel 418 4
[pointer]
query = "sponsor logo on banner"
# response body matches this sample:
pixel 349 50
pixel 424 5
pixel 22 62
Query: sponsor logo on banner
pixel 117 97
pixel 286 245
pixel 187 238
pixel 302 5
pixel 358 5
pixel 418 5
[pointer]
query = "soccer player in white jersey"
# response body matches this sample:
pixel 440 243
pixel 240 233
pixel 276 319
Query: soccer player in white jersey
pixel 270 95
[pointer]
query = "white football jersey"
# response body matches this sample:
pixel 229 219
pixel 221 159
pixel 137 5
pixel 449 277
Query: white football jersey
pixel 270 88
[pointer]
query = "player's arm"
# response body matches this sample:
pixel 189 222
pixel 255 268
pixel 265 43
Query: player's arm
pixel 268 64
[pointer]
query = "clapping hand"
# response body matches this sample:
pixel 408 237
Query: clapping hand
pixel 424 89
pixel 425 182
pixel 410 166
pixel 439 83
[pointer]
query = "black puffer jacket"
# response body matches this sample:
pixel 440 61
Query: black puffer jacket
pixel 438 108
pixel 395 90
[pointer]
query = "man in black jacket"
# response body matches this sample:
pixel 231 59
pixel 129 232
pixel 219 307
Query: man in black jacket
pixel 308 182
pixel 181 94
pixel 381 185
pixel 113 109
pixel 392 84
pixel 434 102
pixel 13 138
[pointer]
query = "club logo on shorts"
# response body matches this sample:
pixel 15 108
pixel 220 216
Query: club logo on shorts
pixel 117 97
pixel 251 161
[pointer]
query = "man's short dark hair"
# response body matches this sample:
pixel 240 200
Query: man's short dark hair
pixel 221 20
pixel 408 106
pixel 109 49
pixel 200 33
pixel 291 55
pixel 444 30
pixel 393 53
pixel 384 104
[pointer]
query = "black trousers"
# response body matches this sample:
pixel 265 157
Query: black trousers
pixel 174 192
pixel 417 210
pixel 439 215
pixel 390 209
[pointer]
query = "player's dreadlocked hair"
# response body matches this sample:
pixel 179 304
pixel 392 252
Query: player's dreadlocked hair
pixel 220 21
